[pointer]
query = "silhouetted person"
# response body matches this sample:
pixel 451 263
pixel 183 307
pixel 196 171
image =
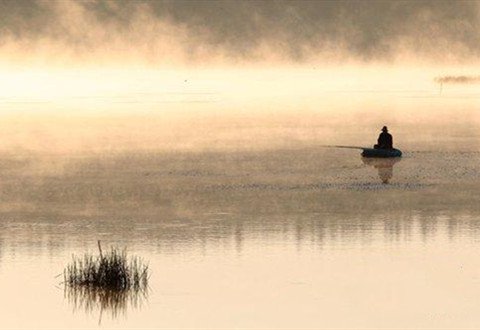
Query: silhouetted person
pixel 385 140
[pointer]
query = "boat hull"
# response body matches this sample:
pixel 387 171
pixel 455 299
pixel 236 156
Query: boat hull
pixel 381 153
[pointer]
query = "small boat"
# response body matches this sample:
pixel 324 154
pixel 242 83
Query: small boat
pixel 381 153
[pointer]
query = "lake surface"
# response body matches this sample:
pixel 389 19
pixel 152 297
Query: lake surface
pixel 250 225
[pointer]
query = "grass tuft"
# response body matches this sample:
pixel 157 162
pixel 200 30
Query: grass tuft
pixel 113 271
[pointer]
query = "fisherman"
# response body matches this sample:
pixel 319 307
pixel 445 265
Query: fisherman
pixel 385 140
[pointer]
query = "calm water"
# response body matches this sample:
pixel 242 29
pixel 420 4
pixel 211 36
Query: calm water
pixel 298 236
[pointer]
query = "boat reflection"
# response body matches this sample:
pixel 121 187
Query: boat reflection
pixel 383 165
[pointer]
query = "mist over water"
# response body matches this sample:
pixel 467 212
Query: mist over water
pixel 225 183
pixel 233 211
pixel 198 136
pixel 210 32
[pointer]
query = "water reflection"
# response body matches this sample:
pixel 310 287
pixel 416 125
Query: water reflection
pixel 173 200
pixel 383 165
pixel 102 301
pixel 188 212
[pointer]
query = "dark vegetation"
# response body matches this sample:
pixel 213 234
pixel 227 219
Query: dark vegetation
pixel 110 271
pixel 108 281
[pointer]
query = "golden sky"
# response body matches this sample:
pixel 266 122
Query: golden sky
pixel 221 59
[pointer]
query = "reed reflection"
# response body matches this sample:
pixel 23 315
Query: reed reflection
pixel 112 302
pixel 383 165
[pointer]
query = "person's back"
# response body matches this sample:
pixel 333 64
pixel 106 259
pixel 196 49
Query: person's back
pixel 385 140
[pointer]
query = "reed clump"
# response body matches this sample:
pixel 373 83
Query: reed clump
pixel 113 271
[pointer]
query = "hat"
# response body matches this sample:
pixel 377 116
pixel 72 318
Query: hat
pixel 384 129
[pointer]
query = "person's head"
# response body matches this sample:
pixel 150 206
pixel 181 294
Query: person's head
pixel 385 129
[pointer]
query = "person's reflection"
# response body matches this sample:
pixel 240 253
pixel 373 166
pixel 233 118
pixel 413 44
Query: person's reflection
pixel 383 165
